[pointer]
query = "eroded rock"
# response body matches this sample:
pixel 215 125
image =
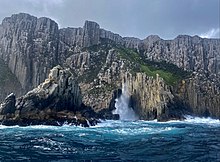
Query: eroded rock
pixel 31 46
pixel 8 106
pixel 56 101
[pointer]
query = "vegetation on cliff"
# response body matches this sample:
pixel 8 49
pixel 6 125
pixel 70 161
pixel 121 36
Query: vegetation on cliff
pixel 168 71
pixel 136 62
pixel 100 59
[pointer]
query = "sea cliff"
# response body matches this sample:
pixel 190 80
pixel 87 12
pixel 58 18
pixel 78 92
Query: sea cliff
pixel 165 78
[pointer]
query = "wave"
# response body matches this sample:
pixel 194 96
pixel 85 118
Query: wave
pixel 4 127
pixel 133 128
pixel 201 120
pixel 124 124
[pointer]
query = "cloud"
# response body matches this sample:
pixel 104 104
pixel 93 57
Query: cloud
pixel 212 33
pixel 49 2
pixel 45 6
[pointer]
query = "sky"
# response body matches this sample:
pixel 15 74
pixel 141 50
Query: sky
pixel 134 18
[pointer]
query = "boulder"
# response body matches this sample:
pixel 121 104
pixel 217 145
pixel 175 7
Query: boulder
pixel 8 106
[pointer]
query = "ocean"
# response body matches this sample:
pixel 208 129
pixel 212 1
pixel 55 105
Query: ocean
pixel 195 139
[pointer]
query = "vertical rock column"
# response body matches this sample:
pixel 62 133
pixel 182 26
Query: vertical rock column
pixel 28 45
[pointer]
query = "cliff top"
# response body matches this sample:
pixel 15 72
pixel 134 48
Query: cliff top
pixel 91 25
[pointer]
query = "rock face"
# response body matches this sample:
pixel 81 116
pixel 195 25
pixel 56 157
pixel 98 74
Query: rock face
pixel 58 92
pixel 8 106
pixel 28 47
pixel 99 60
pixel 202 94
pixel 57 99
pixel 91 34
pixel 101 75
pixel 8 82
pixel 149 96
pixel 189 53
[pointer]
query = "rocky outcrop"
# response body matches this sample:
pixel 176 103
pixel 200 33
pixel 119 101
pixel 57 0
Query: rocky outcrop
pixel 150 97
pixel 28 47
pixel 8 106
pixel 202 93
pixel 91 34
pixel 71 40
pixel 102 79
pixel 58 92
pixel 31 46
pixel 57 99
pixel 108 35
pixel 189 53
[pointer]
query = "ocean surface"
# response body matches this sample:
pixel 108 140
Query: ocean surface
pixel 195 139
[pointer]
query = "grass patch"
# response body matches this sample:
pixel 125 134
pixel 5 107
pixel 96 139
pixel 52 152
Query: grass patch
pixel 138 63
pixel 169 72
pixel 168 77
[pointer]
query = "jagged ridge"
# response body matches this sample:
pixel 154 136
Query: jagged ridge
pixel 31 46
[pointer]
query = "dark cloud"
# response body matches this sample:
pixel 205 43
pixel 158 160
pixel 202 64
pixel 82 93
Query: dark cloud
pixel 139 18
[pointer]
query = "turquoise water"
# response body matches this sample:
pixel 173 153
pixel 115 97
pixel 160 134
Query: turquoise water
pixel 196 139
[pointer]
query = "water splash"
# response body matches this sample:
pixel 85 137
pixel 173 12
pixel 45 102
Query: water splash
pixel 201 120
pixel 122 106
